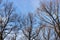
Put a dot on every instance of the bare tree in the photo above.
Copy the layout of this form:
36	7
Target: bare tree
5	19
49	13
28	31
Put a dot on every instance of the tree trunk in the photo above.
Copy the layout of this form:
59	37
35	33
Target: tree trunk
1	36
30	35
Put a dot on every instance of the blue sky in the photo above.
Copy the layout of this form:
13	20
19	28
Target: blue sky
26	6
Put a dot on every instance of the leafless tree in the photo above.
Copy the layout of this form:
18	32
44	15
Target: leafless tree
6	14
49	12
28	31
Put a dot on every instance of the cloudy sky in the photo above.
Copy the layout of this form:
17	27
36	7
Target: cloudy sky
26	6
